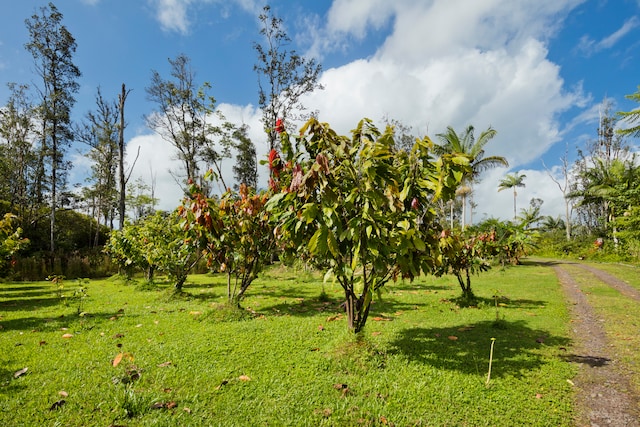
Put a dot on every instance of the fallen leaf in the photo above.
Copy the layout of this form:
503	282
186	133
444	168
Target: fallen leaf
20	373
166	390
320	328
57	404
139	325
332	318
112	318
244	378
171	405
538	396
118	336
63	393
165	364
43	342
195	313
383	420
157	405
64	329
340	386
376	333
315	349
224	382
453	337
117	359
187	410
67	336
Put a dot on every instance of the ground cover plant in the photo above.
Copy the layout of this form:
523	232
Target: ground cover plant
144	357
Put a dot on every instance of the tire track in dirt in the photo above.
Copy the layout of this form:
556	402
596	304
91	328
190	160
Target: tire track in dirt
604	396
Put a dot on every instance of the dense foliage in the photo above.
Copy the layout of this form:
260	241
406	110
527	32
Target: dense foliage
360	209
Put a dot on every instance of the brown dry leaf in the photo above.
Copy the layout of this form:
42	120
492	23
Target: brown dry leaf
538	396
244	378
43	343
383	420
117	359
165	364
332	318
320	328
187	410
315	349
67	336
376	333
340	386
157	405
63	393
112	318
171	405
453	337
118	336
381	319
20	373
166	390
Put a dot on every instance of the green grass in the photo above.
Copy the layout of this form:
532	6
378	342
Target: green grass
288	360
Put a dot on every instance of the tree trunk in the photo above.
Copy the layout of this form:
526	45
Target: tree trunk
123	183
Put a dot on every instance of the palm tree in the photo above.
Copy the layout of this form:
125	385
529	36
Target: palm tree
512	180
465	143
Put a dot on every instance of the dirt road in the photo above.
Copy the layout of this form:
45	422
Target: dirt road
604	397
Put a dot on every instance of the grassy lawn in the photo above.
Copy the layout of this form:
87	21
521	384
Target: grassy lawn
421	360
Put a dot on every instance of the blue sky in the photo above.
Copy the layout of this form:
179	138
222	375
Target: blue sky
535	70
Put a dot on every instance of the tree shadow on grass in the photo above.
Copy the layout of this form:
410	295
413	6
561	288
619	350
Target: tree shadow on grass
68	320
28	304
465	348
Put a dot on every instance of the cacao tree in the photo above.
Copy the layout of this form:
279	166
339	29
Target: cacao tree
359	208
233	232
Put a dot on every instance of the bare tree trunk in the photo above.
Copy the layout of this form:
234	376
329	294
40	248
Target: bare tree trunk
123	181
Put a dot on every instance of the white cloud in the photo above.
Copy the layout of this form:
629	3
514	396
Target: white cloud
172	14
588	46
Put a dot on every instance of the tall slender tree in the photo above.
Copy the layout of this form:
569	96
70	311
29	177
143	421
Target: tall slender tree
18	160
100	132
245	170
184	118
513	181
450	142
283	76
52	47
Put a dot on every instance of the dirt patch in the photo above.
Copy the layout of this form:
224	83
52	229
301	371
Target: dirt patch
604	396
